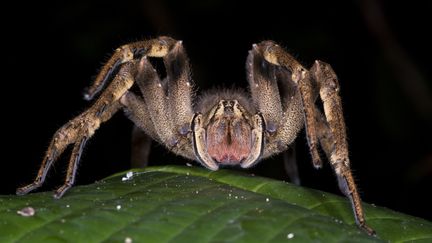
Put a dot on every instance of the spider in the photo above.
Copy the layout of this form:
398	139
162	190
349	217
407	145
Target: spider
222	127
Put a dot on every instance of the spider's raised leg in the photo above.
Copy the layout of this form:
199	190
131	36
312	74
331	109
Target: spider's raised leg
158	47
82	127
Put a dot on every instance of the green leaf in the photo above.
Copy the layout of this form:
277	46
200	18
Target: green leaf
189	204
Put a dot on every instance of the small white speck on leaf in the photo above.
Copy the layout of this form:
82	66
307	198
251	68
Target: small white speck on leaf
197	192
68	206
128	240
128	176
267	199
290	236
188	164
118	207
26	212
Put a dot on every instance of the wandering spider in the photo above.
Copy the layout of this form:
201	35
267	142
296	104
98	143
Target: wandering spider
221	127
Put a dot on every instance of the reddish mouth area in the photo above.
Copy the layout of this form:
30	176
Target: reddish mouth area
229	149
228	158
228	139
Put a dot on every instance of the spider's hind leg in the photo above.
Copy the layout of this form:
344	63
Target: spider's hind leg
290	164
140	149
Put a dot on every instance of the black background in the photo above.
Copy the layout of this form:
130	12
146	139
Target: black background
379	49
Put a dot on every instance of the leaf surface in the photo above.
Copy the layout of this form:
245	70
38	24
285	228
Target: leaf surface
190	204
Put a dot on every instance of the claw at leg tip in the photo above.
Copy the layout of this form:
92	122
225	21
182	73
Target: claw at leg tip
19	192
369	230
58	194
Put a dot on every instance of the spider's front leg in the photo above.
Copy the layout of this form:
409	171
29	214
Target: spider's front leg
329	132
339	158
81	128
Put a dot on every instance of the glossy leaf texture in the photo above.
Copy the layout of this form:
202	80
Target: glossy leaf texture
191	204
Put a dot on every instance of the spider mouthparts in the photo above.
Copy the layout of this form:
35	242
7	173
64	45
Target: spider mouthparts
229	159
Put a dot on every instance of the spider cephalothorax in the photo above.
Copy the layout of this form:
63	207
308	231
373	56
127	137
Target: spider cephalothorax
223	127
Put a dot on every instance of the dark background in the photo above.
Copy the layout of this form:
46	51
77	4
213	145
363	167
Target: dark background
379	49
